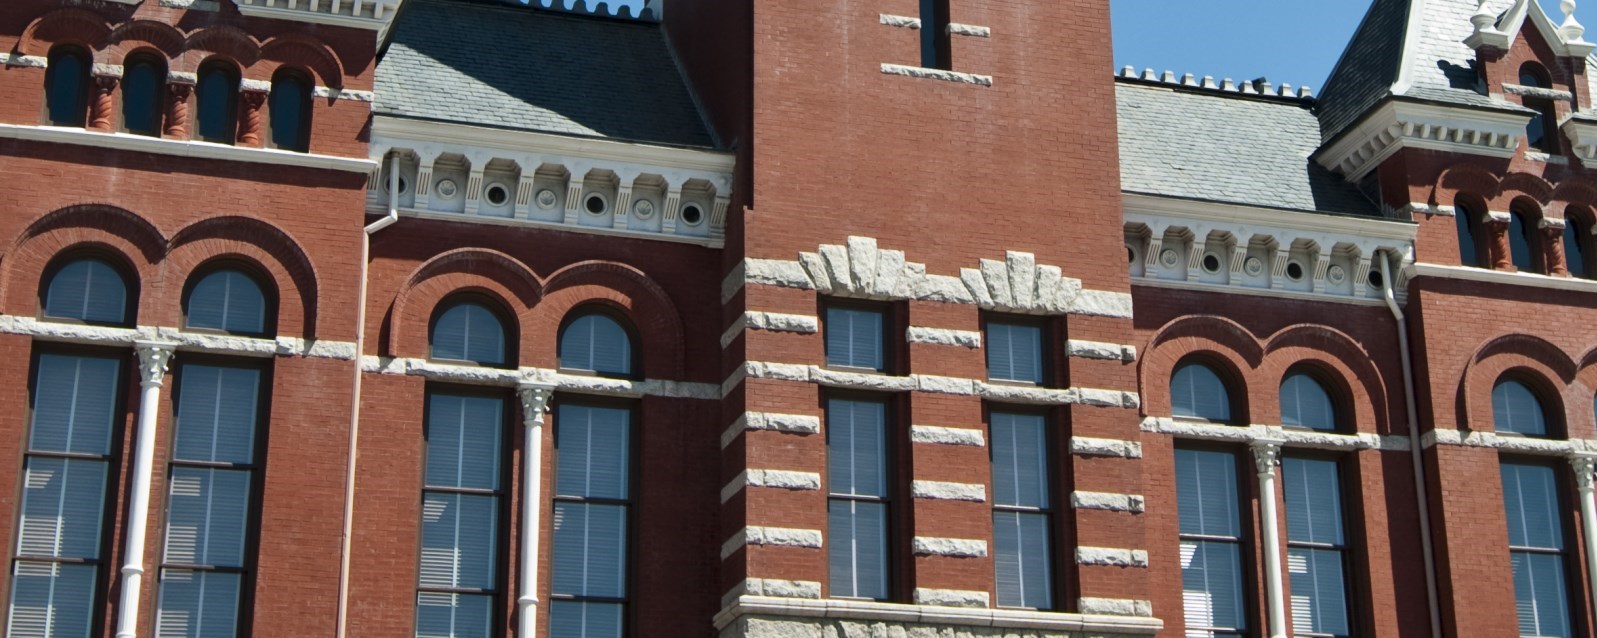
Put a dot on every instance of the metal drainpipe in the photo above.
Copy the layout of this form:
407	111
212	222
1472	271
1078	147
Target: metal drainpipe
1421	494
153	360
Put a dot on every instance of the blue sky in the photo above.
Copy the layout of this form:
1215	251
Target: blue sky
1292	41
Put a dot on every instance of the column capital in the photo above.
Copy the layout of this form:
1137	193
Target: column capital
154	356
1585	466
1266	455
534	401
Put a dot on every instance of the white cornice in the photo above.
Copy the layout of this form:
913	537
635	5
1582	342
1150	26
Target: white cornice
708	242
1513	21
1399	124
184	148
535	142
1273	293
372	15
1583	137
1482	275
1234	214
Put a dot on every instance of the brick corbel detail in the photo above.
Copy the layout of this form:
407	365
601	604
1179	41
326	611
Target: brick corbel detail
102	114
1553	246
177	109
251	120
1496	226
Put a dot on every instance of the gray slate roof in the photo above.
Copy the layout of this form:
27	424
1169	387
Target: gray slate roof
1368	67
524	68
1226	147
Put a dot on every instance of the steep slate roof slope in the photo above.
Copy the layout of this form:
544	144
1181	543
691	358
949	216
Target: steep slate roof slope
525	68
1368	67
1225	147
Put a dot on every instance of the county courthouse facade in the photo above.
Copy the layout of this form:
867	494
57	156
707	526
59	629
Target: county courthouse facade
463	318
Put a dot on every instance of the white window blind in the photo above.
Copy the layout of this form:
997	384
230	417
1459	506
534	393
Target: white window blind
1515	408
1536	548
857	475
87	290
1023	552
458	574
1211	543
1014	352
469	332
596	343
1305	403
591	511
1196	391
1316	546
227	300
854	338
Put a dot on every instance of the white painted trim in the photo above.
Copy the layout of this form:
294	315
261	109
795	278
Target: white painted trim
1372	231
1099	623
1482	275
1526	445
1100	350
950	547
951	598
772	536
453	134
1398	124
1108	501
936	74
185	148
1111	557
708	242
943	337
789	423
946	491
1090	446
509	378
935	384
377	22
938	435
1290	437
779	479
1255	292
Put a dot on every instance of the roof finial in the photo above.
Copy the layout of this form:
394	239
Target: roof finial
1570	29
1483	19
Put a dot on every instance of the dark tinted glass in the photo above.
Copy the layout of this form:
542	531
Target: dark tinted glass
141	97
1520	243
289	107
1575	248
1466	236
66	88
217	94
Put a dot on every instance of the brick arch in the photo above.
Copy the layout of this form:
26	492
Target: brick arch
1464	178
1574	192
224	40
1336	356
110	229
271	250
1582	398
625	290
1216	338
74	26
1534	358
303	50
137	34
1515	185
488	272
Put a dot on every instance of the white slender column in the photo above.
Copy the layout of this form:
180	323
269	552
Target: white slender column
534	404
1585	464
1266	454
153	359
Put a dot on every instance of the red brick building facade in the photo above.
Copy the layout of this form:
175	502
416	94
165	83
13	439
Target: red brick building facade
379	318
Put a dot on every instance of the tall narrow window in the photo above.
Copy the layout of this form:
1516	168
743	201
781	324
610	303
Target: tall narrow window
1197	392
592	511
596	343
934	41
1522	245
88	290
1316	547
143	82
1014	352
227	300
1541	134
290	108
854	337
218	103
1516	409
1022	551
214	472
66	86
1211	544
1536	547
60	544
471	332
1468	248
1576	236
1306	403
857	511
460	503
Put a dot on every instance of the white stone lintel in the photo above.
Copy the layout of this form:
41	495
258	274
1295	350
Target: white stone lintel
951	547
1100	350
1111	557
1293	437
1115	607
939	435
1108	501
943	337
772	536
951	598
937	74
789	423
779	479
945	491
1090	446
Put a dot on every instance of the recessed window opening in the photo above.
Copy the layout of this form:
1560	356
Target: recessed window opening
593	500
935	43
218	102
692	215
470	331
1465	218
1022	529
462	497
859	502
1577	238
596	343
1198	392
1014	352
1523	243
1317	547
89	290
1517	409
290	108
143	82
854	337
1212	544
66	86
230	301
1305	402
1541	133
1536	545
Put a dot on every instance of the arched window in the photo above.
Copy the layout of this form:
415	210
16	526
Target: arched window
1466	218
90	290
228	300
1522	243
142	82
1517	409
469	331
218	103
596	343
290	108
1306	403
66	86
1576	237
1198	392
1541	134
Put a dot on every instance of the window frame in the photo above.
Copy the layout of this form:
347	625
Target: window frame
632	534
1236	402
507	326
1055	474
1535	257
1578	263
84	78
1342	421
888	347
634	341
130	288
229	110
1574	605
898	514
1468	219
302	144
1352	549
1555	427
1045	343
1546	110
1248	526
269	297
158	107
936	42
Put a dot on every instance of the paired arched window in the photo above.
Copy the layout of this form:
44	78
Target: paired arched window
66	86
89	290
290	109
1577	238
1523	242
1468	246
1305	402
469	331
217	93
1517	409
597	343
1541	134
228	300
1198	392
143	78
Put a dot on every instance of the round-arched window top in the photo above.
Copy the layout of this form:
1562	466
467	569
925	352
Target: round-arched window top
469	331
1306	403
596	343
1517	409
1533	74
1197	392
227	300
89	290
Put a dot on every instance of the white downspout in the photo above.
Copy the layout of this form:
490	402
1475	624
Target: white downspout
534	403
153	360
1266	454
1421	494
347	540
1585	463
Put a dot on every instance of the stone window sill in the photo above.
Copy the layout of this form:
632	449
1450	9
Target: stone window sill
184	148
937	74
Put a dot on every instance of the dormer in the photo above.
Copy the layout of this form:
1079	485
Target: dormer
1500	32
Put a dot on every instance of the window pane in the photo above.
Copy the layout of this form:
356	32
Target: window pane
1304	402
74	404
1319	591
854	338
63	504
1196	391
1023	561
1020	460
458	537
857	535
590	550
52	600
142	84
1518	229
67	87
571	619
469	332
453	616
1313	501
1464	219
207	517
1014	353
1516	409
1539	594
227	300
87	290
463	441
287	105
197	604
216	94
596	343
1211	585
593	447
1206	488
1530	494
1575	248
856	447
216	414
